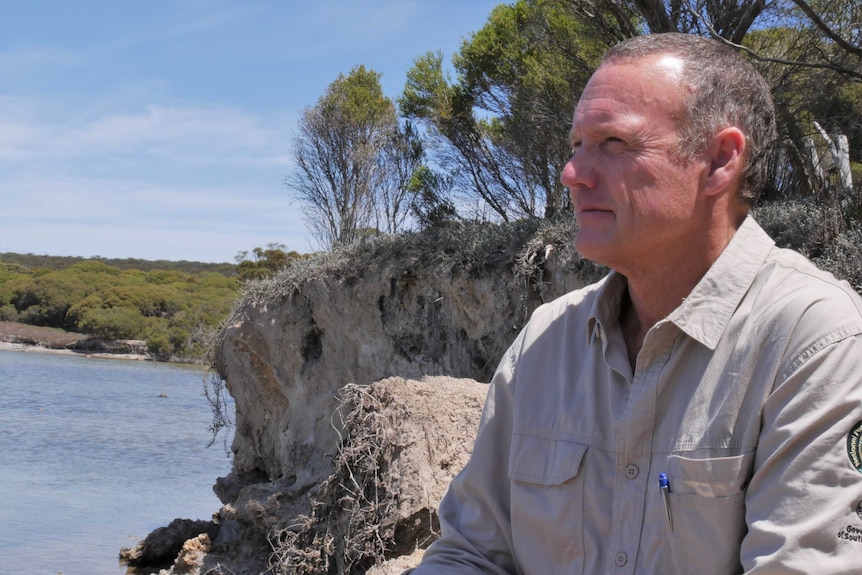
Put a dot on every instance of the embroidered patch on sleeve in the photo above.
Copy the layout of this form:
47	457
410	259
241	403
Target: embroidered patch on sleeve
851	533
854	446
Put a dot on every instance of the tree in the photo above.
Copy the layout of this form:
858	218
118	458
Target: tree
353	161
112	323
836	21
432	206
266	261
401	157
170	309
815	106
502	129
808	51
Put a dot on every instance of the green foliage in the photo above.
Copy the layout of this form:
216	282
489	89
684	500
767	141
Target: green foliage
112	323
165	277
806	97
46	300
432	206
353	161
266	261
502	129
156	335
55	263
427	93
172	310
357	101
12	278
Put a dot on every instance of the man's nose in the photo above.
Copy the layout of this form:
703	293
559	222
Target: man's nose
578	172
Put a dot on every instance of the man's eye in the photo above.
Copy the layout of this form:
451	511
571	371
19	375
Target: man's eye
614	144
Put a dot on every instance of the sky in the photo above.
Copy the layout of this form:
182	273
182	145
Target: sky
162	130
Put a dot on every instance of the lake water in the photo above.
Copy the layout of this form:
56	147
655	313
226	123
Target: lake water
95	454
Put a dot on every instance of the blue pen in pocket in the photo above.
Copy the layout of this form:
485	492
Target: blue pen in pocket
664	485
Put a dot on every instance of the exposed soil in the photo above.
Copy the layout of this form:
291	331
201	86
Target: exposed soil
53	338
24	337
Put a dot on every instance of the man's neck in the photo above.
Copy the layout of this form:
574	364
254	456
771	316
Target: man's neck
654	292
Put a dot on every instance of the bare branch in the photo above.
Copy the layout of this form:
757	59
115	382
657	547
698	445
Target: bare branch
815	65
835	37
656	16
747	19
622	20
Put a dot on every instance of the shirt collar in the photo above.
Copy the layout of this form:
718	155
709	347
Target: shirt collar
605	311
705	313
707	310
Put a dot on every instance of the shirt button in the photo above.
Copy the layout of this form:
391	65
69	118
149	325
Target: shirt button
632	471
621	559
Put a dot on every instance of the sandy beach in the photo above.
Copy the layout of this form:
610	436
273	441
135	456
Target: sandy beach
26	338
25	348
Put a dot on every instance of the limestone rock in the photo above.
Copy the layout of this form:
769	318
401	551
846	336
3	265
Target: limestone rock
192	554
162	545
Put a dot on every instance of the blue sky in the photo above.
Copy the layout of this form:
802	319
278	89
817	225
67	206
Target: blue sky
163	129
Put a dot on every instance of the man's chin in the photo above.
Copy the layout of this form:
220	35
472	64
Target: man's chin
592	248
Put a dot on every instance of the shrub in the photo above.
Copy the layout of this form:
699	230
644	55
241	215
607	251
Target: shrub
113	323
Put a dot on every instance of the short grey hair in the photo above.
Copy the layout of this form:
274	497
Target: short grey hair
726	91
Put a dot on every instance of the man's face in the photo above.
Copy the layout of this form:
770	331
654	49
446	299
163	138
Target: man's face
635	202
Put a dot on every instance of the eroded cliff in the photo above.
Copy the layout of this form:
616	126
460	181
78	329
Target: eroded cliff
440	303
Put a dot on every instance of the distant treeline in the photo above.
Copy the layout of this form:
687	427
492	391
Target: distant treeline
176	306
173	306
56	263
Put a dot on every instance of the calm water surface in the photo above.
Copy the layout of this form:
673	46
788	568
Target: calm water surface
92	459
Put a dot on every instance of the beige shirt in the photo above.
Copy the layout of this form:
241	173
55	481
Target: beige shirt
744	396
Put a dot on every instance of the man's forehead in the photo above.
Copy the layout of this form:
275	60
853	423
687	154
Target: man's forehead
667	62
668	68
601	120
651	81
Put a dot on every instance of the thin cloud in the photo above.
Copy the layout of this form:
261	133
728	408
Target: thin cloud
208	15
171	124
23	60
118	218
211	130
201	135
75	197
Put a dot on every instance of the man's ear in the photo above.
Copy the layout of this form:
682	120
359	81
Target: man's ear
726	155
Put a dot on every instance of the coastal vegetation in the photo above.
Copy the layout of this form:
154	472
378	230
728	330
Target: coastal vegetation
488	142
172	306
487	147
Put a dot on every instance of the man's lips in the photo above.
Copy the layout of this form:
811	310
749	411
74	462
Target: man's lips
592	210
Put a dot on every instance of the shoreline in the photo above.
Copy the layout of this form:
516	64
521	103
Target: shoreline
36	348
26	338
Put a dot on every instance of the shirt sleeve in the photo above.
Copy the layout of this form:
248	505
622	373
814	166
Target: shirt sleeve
475	528
804	500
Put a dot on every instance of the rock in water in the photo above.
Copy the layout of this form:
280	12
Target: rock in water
163	545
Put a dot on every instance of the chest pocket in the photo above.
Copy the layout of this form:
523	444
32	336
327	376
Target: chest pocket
707	502
547	501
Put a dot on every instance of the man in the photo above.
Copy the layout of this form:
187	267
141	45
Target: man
709	358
